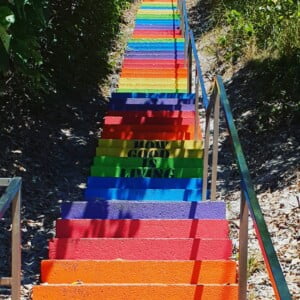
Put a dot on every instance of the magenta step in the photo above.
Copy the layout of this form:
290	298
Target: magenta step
140	248
88	228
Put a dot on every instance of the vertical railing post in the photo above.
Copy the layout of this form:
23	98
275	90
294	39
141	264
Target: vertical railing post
215	147
197	122
16	248
189	66
206	149
243	249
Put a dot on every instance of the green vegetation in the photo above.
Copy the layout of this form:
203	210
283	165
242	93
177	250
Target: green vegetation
55	46
266	35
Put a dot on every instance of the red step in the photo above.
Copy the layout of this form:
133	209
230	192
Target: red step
140	249
118	120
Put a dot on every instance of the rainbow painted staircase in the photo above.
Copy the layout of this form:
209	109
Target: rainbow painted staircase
142	231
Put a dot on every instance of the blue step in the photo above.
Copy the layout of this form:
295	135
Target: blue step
155	56
165	194
152	101
143	183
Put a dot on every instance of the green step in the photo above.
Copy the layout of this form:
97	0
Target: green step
150	152
155	162
146	172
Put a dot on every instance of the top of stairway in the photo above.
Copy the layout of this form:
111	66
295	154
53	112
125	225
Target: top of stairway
153	95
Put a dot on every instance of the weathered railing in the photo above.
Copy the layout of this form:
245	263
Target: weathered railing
12	195
249	201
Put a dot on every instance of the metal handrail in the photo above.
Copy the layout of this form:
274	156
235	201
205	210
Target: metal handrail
249	201
12	195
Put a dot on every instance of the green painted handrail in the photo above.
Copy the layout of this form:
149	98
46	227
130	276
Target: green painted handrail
265	242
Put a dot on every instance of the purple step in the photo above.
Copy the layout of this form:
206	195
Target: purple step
148	101
116	209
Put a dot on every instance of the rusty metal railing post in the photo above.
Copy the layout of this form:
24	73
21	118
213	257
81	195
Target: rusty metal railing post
243	249
16	248
215	152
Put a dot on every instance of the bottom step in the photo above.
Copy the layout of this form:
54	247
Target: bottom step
135	292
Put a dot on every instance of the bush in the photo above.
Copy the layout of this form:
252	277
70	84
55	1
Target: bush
47	46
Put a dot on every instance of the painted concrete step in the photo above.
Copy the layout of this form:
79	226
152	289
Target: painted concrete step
150	73
159	36
157	27
153	95
110	171
112	143
149	135
140	249
165	40
154	162
142	228
135	292
151	61
153	114
155	55
137	194
143	210
146	16
149	128
143	183
150	152
155	45
132	272
154	101
150	106
118	120
155	90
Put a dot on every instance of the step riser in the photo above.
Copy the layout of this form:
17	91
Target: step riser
150	144
117	292
133	107
155	162
155	96
142	194
146	272
110	120
154	101
99	171
152	113
142	228
140	249
143	183
149	153
149	128
143	210
148	136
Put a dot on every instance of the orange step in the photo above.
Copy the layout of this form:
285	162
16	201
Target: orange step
162	272
135	292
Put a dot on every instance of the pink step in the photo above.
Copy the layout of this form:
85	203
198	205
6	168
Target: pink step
88	228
